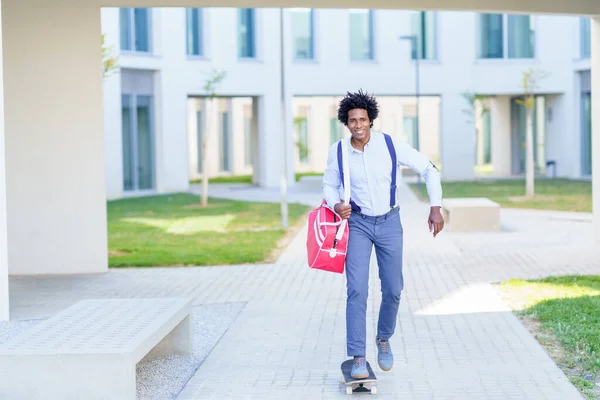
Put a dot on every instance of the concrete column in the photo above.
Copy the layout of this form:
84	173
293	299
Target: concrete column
192	127
270	126
4	305
113	123
479	132
270	148
171	139
457	139
595	64
55	172
500	121
291	144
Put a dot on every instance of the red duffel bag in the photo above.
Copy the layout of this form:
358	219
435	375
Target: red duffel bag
327	238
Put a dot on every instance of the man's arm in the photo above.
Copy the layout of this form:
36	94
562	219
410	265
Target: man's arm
331	178
418	162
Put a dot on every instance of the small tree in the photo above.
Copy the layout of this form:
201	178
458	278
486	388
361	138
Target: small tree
531	77
109	60
210	87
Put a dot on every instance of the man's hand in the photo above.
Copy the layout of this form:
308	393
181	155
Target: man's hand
344	210
436	221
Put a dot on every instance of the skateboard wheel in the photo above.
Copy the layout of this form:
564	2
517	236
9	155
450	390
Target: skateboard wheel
348	389
374	390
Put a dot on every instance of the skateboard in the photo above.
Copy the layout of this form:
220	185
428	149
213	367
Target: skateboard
358	385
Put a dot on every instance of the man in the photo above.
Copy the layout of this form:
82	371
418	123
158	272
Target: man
374	219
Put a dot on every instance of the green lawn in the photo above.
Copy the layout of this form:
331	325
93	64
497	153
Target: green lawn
172	230
567	309
227	179
248	178
550	194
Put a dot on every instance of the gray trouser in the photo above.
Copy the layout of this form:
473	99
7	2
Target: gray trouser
385	232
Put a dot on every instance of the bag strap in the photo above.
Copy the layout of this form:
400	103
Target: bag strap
340	160
392	150
344	168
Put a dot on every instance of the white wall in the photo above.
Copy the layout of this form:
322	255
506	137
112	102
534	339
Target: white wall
456	71
179	76
55	162
562	140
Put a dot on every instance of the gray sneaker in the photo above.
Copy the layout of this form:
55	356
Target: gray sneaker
385	358
359	369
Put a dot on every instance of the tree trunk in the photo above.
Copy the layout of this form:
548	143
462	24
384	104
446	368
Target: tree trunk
530	168
205	136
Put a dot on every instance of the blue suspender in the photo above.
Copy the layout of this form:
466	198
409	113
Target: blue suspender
390	146
392	150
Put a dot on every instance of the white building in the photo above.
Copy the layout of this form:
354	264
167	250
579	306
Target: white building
166	55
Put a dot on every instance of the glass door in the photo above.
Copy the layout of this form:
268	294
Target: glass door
138	142
586	131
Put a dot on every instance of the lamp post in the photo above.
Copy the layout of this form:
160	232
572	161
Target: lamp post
414	44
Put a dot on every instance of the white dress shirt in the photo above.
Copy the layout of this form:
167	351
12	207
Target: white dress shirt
371	173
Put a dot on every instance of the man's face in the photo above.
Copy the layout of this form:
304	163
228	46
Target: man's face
359	124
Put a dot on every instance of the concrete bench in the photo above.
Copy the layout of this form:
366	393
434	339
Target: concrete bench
90	350
471	215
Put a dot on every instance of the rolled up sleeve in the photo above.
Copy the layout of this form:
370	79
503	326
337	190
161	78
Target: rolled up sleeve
331	178
418	162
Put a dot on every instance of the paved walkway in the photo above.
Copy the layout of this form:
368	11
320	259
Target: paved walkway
455	340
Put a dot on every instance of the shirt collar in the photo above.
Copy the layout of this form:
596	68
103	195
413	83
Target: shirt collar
366	145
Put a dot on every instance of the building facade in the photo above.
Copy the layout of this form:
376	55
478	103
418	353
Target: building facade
159	112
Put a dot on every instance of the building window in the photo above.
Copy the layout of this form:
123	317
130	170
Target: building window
301	133
585	39
361	35
422	25
506	36
519	132
303	33
248	122
410	130
491	39
194	31
487	137
135	29
246	33
225	127
138	142
199	135
521	36
336	130
586	131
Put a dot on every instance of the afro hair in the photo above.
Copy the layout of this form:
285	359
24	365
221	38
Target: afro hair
360	100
